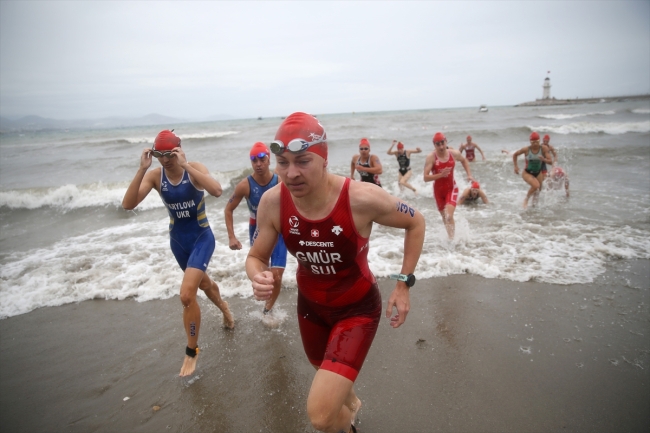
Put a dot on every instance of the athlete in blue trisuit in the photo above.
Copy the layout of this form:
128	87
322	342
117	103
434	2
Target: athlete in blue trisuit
181	186
252	189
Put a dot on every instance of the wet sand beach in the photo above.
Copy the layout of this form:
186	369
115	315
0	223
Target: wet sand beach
475	355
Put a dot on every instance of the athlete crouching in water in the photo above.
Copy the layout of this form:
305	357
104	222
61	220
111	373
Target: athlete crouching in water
472	194
181	186
326	220
535	156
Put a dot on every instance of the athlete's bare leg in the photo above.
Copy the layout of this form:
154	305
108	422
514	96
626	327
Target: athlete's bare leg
448	219
403	181
534	186
211	290
329	401
354	404
540	178
191	316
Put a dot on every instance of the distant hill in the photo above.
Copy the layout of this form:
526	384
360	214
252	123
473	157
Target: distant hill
36	123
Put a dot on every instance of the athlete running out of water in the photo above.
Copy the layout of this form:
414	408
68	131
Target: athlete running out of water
469	149
535	156
326	221
404	160
547	142
251	188
181	185
367	165
472	194
439	168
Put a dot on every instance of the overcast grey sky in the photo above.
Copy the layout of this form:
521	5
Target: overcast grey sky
87	59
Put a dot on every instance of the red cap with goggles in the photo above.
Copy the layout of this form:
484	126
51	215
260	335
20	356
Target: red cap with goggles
439	137
400	145
259	150
166	140
300	131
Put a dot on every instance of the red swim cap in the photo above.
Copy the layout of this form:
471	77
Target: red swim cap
400	145
439	137
364	142
558	172
306	127
534	136
258	148
547	137
166	140
469	138
475	185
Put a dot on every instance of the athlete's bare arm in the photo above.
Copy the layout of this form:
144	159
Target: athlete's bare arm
549	153
428	166
242	189
463	196
521	151
353	165
142	183
390	149
410	151
368	206
199	174
483	196
266	235
479	149
546	157
554	153
375	166
459	157
566	185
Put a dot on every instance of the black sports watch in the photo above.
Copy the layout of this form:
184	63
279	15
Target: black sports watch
408	279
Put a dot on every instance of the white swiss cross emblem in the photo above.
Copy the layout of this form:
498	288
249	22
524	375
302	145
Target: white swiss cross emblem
293	221
314	233
337	230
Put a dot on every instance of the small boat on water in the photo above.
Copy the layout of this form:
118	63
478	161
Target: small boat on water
482	109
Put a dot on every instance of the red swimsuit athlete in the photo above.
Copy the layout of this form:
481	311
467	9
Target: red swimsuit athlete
439	167
326	221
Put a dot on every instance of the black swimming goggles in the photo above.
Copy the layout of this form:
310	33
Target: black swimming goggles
295	145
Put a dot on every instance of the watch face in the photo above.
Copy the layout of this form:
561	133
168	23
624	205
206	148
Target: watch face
410	280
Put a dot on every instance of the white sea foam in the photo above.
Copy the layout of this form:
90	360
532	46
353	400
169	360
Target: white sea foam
641	110
573	116
594	128
133	260
69	197
196	135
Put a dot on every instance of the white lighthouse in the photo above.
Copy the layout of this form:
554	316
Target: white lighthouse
547	88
